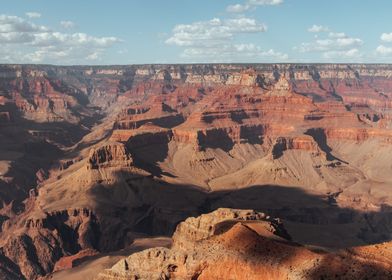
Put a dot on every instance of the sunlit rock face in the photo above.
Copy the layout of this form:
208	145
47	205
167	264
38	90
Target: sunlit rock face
93	157
244	244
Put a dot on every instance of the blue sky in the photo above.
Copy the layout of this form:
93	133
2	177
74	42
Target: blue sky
195	31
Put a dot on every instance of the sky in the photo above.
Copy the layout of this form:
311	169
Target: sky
102	32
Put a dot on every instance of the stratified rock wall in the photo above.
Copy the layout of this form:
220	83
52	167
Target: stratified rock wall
120	143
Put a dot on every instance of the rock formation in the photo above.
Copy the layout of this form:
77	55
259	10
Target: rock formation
243	244
111	154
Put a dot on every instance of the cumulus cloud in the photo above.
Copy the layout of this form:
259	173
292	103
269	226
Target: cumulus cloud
240	8
213	32
33	15
352	53
237	8
322	45
331	44
10	24
23	41
215	40
383	50
318	28
386	37
75	39
67	24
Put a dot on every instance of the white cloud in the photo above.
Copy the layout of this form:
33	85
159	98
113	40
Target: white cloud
45	53
322	45
352	53
9	24
237	8
67	24
213	32
332	45
386	37
337	35
265	2
318	28
216	40
93	56
75	39
15	38
33	15
240	8
383	50
22	41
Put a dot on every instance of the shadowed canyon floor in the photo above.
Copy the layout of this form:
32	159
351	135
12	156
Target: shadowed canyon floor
95	161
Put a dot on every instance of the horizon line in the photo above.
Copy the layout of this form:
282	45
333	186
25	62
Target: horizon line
194	63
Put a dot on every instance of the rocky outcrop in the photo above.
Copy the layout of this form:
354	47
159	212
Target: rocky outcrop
68	262
281	88
193	234
109	155
241	244
303	142
41	242
358	135
207	225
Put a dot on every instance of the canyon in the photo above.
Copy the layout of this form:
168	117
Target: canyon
97	162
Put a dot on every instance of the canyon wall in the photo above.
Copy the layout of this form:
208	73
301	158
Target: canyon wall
90	156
